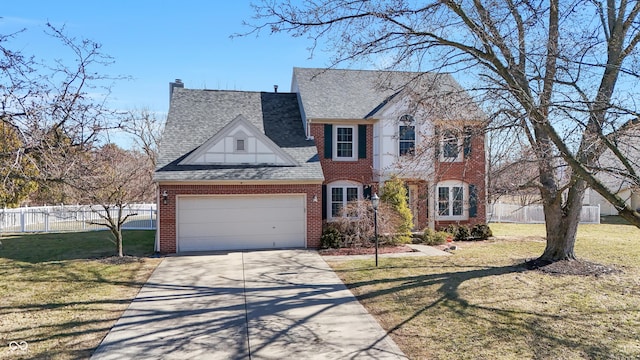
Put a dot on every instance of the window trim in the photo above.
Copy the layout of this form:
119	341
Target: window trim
406	121
240	135
459	140
354	143
344	185
450	185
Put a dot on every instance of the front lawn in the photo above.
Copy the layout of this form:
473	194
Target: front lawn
481	304
61	293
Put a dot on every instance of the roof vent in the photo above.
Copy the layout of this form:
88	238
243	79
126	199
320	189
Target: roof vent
275	88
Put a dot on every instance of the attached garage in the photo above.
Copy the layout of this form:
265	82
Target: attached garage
236	171
221	222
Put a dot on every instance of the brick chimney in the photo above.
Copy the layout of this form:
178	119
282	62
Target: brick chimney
176	84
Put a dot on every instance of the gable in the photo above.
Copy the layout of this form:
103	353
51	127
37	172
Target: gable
239	143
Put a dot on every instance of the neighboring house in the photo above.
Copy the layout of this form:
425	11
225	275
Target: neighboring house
245	170
612	171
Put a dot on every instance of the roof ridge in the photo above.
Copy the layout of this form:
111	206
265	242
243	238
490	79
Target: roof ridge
234	91
368	70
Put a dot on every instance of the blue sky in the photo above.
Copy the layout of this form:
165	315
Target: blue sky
156	42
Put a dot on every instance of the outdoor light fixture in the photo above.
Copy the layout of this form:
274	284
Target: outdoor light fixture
165	197
315	198
375	201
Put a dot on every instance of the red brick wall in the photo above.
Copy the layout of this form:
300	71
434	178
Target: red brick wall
167	213
360	170
472	171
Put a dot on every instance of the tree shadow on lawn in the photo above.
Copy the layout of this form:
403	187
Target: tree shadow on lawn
258	314
46	247
544	342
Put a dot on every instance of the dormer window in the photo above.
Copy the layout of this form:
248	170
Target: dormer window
240	142
406	135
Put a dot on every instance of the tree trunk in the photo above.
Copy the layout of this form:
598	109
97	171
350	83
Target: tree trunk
562	224
117	234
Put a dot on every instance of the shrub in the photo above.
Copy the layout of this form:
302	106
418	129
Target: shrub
451	229
431	237
462	233
481	232
394	193
440	237
331	238
396	239
427	234
356	224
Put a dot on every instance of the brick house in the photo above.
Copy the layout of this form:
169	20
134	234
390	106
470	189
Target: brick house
248	170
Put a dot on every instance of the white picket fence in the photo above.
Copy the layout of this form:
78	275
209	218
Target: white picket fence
532	214
72	218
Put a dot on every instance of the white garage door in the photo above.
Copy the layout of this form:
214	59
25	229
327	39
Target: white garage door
241	222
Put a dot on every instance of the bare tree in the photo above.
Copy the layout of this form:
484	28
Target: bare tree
561	73
115	179
56	107
146	130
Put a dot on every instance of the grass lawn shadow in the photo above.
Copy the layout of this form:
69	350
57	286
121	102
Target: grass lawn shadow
484	303
45	247
66	290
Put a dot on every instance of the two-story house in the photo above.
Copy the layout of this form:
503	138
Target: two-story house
246	170
370	125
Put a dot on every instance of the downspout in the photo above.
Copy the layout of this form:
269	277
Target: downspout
157	242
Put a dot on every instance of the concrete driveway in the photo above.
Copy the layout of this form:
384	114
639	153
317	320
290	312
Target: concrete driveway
285	304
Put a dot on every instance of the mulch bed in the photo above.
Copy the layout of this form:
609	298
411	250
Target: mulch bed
366	250
571	267
116	260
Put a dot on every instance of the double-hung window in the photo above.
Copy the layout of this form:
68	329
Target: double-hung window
450	146
406	135
345	143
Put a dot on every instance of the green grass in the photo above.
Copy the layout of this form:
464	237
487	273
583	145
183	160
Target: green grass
481	304
60	294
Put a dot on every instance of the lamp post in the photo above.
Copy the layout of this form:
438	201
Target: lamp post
375	201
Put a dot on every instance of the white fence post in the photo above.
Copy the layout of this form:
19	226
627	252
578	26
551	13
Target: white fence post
22	221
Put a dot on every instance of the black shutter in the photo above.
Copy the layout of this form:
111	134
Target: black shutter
473	201
467	141
362	141
328	141
436	142
323	202
366	192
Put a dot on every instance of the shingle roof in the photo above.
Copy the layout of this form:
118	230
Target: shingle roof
196	115
614	174
358	94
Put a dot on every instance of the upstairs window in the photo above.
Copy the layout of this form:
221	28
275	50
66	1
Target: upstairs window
345	143
406	135
450	146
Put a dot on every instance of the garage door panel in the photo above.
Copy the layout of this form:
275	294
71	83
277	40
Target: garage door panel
234	228
270	214
226	223
226	203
